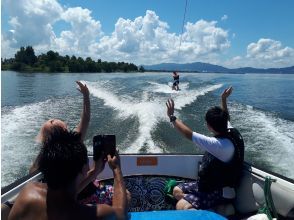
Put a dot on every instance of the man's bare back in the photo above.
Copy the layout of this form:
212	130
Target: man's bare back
37	202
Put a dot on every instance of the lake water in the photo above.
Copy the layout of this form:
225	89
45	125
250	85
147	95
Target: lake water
132	106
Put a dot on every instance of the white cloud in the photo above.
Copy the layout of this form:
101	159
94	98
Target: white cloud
205	38
268	49
144	40
147	40
84	32
224	17
6	50
265	53
31	21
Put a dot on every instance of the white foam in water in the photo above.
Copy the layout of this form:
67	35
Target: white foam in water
148	112
19	128
267	135
185	98
166	88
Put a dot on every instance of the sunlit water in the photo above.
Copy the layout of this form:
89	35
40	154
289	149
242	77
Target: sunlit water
132	106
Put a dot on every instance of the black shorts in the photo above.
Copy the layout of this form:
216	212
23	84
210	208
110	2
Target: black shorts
176	83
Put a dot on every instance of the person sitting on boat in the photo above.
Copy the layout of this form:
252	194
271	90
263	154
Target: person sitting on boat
63	161
176	77
48	127
222	162
53	125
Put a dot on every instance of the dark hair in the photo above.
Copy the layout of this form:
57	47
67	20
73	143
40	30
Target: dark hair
217	119
62	157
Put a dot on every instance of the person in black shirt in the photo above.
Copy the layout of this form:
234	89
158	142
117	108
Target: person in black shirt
176	77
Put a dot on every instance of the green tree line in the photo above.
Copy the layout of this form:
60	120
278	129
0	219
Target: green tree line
25	60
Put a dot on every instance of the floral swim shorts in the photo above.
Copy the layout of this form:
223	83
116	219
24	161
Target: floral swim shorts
198	199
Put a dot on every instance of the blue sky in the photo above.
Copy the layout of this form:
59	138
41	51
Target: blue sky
229	33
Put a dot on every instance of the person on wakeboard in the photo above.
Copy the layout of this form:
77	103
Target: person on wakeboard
176	77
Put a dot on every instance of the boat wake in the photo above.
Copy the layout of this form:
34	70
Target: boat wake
19	127
268	138
149	108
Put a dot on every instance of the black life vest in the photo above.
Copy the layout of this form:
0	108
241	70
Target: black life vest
216	174
177	78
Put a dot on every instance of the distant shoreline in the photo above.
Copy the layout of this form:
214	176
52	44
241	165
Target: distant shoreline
151	71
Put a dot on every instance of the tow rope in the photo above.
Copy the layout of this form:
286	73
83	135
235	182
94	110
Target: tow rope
182	27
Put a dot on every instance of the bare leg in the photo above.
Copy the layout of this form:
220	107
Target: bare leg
184	205
129	198
178	193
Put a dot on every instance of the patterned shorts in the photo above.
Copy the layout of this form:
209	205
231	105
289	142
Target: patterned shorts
200	200
102	195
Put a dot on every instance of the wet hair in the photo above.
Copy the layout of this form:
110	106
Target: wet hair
62	157
48	130
217	119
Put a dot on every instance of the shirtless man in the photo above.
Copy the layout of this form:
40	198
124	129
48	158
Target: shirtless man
48	129
63	161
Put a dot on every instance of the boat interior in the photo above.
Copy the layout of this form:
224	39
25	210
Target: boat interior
146	177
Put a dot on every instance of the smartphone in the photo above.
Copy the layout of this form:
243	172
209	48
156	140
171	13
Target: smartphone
103	144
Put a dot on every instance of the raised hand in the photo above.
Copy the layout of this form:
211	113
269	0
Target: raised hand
227	92
83	88
113	162
85	116
170	107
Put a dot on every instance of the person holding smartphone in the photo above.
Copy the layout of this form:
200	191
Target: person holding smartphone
63	161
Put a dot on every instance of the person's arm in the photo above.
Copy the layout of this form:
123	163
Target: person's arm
35	165
226	93
184	129
85	116
98	167
221	148
119	201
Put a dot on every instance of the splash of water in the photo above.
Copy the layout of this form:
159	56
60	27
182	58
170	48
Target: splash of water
150	109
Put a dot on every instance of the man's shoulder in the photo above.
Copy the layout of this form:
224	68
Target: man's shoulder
33	192
30	199
35	187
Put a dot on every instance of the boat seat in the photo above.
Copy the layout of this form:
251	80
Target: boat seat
175	215
226	209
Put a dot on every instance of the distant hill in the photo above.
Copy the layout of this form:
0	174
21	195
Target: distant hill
206	67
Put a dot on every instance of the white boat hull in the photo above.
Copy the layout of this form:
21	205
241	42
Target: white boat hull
249	195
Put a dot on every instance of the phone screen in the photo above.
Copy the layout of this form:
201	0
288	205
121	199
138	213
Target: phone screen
103	144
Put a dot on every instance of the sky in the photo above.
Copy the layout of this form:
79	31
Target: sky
230	33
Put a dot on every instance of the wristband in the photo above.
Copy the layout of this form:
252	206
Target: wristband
172	118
